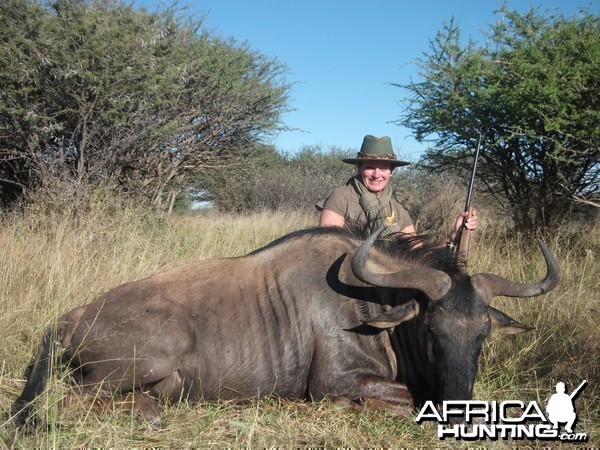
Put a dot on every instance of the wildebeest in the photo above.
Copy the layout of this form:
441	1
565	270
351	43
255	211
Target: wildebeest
318	313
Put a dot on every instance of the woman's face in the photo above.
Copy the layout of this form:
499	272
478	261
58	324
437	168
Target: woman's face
375	175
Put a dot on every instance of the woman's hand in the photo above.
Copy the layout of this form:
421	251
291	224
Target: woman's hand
470	223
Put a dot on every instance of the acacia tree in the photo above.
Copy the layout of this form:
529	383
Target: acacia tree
98	93
532	92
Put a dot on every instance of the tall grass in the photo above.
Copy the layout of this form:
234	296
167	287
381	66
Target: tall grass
50	264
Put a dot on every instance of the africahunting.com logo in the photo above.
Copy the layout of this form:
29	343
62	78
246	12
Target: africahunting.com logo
510	419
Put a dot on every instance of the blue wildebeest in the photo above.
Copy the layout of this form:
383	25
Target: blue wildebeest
318	313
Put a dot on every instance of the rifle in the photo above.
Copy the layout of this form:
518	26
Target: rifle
464	236
576	391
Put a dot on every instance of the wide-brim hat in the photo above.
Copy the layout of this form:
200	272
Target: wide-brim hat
376	149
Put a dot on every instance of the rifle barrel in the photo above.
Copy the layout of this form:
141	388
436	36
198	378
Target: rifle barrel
576	391
472	182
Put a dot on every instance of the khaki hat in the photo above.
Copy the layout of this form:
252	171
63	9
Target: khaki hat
376	149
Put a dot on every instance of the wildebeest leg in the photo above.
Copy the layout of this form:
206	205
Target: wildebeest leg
173	387
375	392
142	404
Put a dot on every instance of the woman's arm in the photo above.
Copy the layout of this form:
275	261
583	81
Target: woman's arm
410	230
331	219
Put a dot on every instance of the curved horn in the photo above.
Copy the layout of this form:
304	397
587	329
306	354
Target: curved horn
499	286
433	283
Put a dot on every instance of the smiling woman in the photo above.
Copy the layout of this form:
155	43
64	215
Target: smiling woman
367	201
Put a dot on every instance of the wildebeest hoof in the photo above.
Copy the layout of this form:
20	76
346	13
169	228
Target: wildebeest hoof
360	401
157	424
341	402
28	426
147	408
356	404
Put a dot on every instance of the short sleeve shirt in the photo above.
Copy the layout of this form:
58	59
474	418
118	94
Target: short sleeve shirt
344	201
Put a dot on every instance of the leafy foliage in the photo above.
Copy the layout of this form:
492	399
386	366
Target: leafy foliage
532	92
104	94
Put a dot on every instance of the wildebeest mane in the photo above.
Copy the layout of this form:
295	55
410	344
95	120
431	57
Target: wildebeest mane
422	249
308	232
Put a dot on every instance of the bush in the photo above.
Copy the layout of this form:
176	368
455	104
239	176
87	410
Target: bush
273	181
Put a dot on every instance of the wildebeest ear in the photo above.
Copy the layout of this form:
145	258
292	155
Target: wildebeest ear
505	323
395	315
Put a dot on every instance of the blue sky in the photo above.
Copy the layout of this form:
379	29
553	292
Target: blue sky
342	56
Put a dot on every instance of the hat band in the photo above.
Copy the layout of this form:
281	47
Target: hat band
384	156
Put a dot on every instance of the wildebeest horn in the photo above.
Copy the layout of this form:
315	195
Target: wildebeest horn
433	283
499	286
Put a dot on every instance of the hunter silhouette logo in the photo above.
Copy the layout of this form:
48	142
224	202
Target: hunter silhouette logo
560	406
510	419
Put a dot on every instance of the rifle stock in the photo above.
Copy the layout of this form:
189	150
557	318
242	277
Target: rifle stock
465	236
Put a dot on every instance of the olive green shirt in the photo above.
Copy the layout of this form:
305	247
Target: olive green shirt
344	201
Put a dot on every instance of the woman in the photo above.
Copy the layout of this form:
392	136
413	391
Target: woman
367	199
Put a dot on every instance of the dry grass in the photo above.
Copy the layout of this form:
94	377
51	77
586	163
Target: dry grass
51	264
